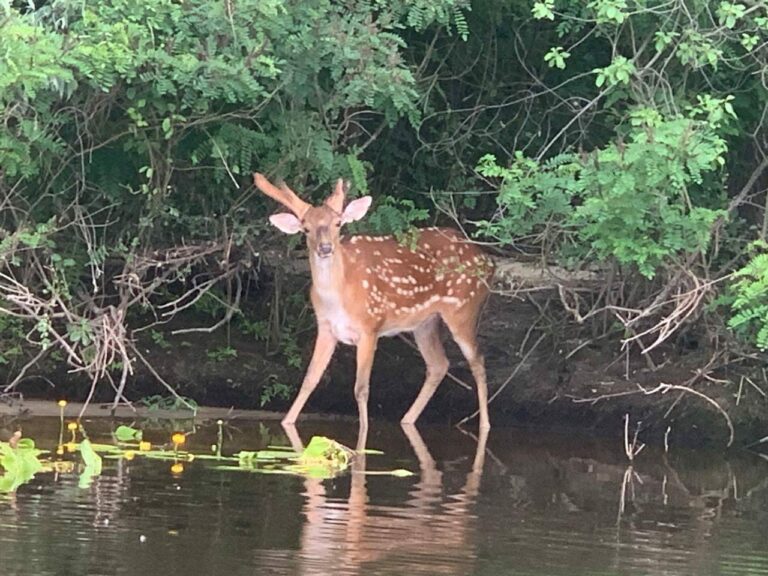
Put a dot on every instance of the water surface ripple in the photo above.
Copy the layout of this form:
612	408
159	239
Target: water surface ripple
512	503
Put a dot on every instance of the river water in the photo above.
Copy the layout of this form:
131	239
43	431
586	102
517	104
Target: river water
514	502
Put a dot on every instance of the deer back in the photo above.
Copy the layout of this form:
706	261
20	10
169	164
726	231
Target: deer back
385	286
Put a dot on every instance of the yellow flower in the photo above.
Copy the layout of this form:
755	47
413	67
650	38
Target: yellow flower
129	454
145	446
72	426
62	403
59	450
178	438
70	446
177	468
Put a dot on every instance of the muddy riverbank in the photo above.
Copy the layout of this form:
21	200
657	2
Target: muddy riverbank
546	385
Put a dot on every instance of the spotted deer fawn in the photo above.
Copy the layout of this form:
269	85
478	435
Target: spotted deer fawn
364	287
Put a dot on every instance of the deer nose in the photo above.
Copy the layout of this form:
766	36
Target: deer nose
325	249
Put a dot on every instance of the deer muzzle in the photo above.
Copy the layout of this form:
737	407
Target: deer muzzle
324	249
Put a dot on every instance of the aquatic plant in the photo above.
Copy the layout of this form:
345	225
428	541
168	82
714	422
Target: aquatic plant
19	462
127	434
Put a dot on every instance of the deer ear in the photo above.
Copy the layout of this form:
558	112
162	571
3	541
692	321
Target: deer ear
356	209
286	222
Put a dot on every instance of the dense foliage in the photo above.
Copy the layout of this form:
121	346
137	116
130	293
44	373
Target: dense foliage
130	130
625	136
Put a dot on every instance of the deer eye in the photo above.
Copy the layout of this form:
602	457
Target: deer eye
337	224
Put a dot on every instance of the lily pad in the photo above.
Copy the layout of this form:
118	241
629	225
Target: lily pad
128	434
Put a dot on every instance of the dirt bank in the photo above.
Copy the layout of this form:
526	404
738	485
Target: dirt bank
554	384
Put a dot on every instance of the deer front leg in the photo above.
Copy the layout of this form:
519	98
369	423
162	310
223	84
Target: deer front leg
366	349
325	344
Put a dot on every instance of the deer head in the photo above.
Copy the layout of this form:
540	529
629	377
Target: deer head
320	224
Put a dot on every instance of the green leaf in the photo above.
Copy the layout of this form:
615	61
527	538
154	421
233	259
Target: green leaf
556	57
749	41
600	80
127	434
20	464
91	459
543	10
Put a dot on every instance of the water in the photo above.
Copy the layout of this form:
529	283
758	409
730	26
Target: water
528	503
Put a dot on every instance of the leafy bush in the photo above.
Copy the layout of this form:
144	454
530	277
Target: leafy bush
750	298
644	203
393	215
129	131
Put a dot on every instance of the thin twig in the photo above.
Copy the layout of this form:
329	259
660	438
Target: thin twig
160	379
23	371
663	389
450	376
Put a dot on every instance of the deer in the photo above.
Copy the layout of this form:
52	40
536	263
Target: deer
365	287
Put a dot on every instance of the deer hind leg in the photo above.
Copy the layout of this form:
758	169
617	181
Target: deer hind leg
463	328
427	337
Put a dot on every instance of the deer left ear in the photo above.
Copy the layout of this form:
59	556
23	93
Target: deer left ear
356	209
285	222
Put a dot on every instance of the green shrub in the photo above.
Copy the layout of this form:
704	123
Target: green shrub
750	298
643	203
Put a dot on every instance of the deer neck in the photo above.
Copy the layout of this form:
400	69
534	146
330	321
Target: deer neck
328	274
328	287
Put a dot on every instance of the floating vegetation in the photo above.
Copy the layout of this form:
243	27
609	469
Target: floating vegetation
92	463
20	463
322	458
20	460
128	434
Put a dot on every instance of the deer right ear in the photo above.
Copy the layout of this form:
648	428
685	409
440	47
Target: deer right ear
356	209
286	222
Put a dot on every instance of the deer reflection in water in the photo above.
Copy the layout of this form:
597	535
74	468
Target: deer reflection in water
434	531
